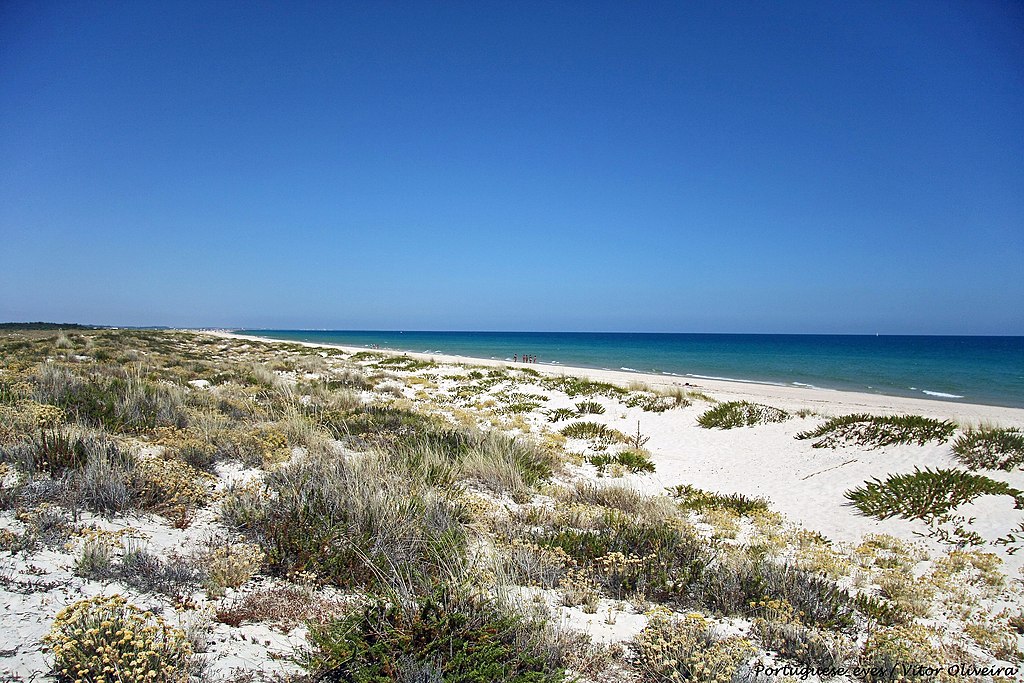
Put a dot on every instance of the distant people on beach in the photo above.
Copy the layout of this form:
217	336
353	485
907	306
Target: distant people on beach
526	358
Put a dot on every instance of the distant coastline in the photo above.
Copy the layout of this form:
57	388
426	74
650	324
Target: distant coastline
952	369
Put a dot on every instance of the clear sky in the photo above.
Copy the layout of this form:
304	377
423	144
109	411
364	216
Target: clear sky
645	166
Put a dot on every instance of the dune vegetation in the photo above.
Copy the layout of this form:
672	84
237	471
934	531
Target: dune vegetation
212	508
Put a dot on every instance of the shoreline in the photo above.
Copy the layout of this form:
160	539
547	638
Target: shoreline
787	397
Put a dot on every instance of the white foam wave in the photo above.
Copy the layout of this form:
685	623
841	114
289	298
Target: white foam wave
940	394
734	379
628	369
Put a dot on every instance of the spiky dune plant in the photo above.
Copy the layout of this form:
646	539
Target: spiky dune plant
740	414
991	448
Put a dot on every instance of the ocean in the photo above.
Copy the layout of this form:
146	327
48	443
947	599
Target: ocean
987	370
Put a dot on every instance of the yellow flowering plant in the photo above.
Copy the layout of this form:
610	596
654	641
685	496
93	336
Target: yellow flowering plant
107	640
230	565
687	649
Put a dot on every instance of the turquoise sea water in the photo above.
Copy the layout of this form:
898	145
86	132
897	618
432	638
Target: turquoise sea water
987	370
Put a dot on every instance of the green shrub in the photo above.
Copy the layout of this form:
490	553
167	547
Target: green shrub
559	414
593	430
736	581
444	638
667	556
698	500
677	567
635	461
601	461
589	407
360	356
58	450
875	431
655	403
406	363
925	494
990	448
520	407
581	386
740	414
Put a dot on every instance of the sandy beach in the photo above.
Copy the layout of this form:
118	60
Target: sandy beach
805	484
790	397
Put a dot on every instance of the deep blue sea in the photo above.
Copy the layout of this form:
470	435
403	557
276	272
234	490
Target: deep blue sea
987	370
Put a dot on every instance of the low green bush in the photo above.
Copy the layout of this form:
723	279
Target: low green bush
581	386
590	407
875	431
677	567
990	448
740	414
692	498
406	363
925	494
656	403
593	430
635	461
442	638
559	414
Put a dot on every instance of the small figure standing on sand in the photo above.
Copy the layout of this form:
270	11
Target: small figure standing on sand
515	358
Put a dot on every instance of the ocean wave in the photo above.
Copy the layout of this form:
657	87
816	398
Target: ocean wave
940	394
629	369
734	379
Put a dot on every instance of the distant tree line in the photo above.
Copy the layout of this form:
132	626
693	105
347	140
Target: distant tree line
47	326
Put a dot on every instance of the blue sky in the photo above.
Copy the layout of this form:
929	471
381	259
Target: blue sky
695	167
